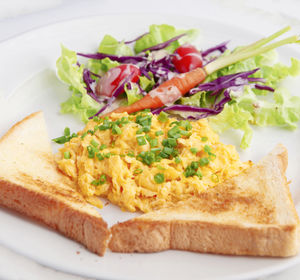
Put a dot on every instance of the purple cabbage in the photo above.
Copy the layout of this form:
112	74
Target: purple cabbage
120	59
134	40
220	47
206	55
164	44
233	81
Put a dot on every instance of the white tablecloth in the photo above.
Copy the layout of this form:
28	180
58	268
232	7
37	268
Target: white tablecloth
18	16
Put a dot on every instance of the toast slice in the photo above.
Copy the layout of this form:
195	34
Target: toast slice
249	214
31	184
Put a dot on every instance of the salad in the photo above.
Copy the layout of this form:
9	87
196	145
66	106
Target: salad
162	71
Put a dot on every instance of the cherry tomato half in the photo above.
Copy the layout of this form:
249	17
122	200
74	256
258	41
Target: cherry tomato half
187	58
113	77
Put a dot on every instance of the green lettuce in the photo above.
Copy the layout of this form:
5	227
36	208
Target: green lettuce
79	103
101	66
282	110
161	33
145	83
234	117
132	94
110	45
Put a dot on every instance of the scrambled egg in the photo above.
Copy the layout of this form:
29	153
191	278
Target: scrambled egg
144	162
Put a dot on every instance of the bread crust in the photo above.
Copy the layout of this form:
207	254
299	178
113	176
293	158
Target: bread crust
146	236
45	195
263	233
89	230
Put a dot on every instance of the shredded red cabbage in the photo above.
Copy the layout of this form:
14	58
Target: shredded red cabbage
121	59
134	40
233	81
164	44
220	47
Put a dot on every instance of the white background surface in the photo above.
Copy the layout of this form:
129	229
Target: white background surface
17	16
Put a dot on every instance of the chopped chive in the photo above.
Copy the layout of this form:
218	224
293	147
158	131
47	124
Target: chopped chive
94	143
194	165
116	129
212	156
207	149
95	183
148	137
67	155
67	131
107	155
102	147
83	135
169	142
194	150
100	156
176	122
140	131
102	179
130	154
91	151
185	133
141	140
168	150
174	132
204	139
146	128
60	140
203	161
153	143
155	150
199	174
137	171
159	132
159	178
177	160
163	117
90	132
160	167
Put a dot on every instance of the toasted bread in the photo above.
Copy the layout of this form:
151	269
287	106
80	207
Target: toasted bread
31	184
249	214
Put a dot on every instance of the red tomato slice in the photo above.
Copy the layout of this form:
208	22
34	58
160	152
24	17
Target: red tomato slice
114	77
187	58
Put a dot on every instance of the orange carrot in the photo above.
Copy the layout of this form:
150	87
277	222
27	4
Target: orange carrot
183	83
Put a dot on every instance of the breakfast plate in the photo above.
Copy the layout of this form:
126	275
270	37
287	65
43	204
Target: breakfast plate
28	83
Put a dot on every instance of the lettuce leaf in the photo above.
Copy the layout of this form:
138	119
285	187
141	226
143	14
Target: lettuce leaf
282	110
161	33
100	67
80	104
68	71
110	45
234	117
145	83
133	94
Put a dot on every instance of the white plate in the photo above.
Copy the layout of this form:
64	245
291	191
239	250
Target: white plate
28	83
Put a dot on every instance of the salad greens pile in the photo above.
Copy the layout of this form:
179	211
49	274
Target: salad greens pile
237	96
